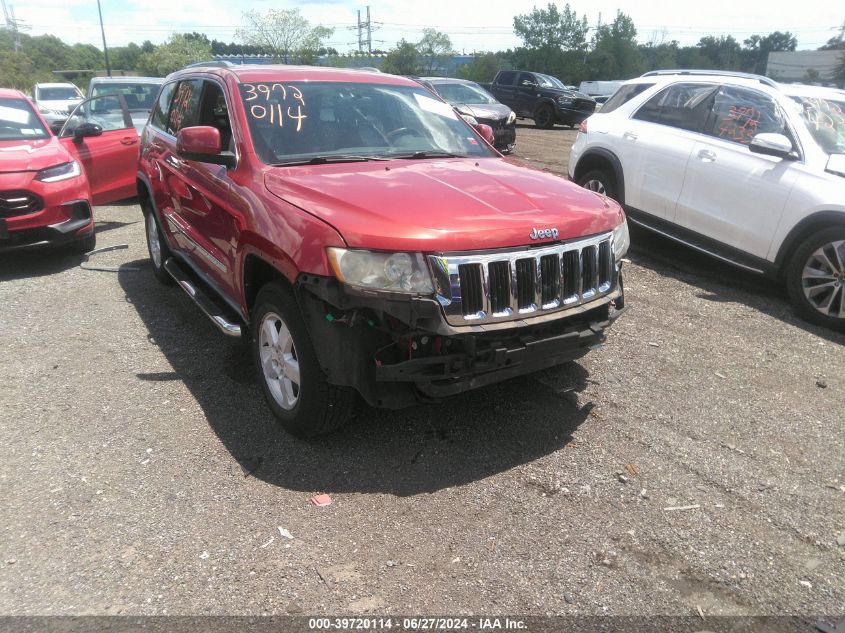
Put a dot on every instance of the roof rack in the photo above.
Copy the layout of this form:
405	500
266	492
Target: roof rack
719	73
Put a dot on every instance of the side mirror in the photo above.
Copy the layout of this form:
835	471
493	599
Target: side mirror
86	129
202	143
836	164
56	126
771	145
486	132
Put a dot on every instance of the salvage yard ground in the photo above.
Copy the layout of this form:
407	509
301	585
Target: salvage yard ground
698	464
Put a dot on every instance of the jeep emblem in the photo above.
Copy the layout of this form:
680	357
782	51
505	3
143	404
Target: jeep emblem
539	234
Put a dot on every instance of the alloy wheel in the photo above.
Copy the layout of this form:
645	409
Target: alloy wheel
595	185
279	360
153	241
823	279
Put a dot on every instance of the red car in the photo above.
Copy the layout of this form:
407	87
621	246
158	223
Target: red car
49	183
368	239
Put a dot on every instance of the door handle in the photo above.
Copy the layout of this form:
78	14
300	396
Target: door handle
707	156
173	161
128	140
630	136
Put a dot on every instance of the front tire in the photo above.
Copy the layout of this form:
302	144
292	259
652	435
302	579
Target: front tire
294	385
156	246
599	181
815	278
544	117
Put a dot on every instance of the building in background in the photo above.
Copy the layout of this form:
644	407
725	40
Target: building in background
804	66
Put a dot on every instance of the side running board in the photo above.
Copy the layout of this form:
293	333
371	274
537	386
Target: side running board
205	303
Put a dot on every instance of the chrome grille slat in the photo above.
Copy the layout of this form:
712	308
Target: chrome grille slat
502	285
499	275
525	278
14	203
550	281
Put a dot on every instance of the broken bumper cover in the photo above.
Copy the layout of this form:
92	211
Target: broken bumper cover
441	376
397	351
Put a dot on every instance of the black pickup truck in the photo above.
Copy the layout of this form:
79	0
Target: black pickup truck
540	97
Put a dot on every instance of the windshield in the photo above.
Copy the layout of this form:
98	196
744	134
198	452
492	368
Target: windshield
825	118
137	96
61	93
313	120
463	93
18	121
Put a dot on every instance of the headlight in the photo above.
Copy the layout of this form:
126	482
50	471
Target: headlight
45	110
391	272
64	171
511	117
470	119
564	100
621	240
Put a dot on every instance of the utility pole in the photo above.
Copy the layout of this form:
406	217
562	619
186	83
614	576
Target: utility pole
103	31
14	25
360	40
369	33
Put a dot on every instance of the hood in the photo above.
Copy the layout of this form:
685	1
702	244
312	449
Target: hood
63	105
572	94
32	155
489	111
442	205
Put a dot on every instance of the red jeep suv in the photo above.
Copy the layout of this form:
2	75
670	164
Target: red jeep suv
368	239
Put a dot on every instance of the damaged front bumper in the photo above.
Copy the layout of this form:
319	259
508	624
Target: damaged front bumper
398	350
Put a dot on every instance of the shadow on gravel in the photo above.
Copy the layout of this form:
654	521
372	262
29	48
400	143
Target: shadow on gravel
720	282
417	450
102	227
49	260
37	262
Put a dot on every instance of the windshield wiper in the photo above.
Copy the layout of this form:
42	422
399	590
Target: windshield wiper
335	158
429	153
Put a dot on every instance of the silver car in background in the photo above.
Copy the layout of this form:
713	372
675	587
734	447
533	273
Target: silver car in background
138	92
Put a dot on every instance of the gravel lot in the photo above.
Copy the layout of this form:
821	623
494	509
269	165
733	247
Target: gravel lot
698	467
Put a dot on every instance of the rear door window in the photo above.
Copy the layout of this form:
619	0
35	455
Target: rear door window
685	106
159	118
184	112
506	77
624	95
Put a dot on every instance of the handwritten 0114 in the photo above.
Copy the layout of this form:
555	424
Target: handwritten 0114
270	102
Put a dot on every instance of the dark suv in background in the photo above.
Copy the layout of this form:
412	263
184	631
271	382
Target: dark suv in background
540	97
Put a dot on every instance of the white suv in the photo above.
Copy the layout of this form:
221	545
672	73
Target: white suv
737	166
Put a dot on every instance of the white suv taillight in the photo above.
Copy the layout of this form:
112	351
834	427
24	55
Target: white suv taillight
583	127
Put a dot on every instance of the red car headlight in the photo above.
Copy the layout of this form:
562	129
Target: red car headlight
65	171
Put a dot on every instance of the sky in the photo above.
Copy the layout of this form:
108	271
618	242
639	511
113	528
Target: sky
472	25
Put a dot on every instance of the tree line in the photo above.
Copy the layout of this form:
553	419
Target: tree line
554	41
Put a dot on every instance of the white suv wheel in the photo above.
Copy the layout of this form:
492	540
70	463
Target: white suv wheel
823	279
595	185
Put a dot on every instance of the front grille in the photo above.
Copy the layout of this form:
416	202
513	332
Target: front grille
14	203
584	104
502	285
471	289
